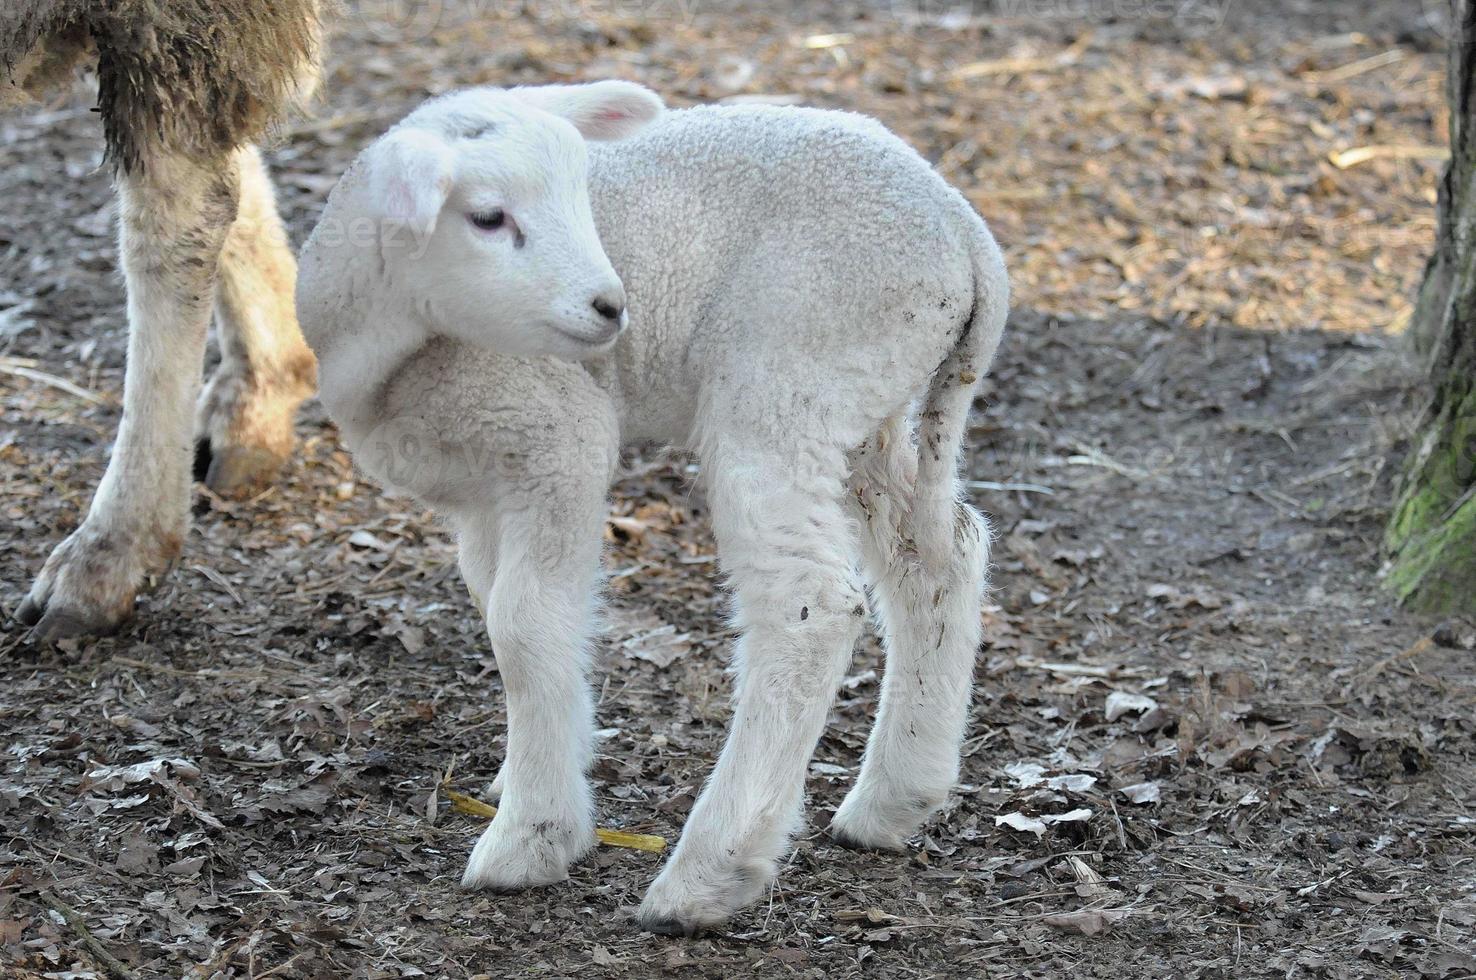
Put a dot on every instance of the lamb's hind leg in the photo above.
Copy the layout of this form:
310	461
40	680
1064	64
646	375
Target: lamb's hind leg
789	551
174	215
244	424
926	587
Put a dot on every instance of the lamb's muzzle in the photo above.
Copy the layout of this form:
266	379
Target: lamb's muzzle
794	281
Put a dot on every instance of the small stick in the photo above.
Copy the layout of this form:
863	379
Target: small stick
614	838
1414	650
25	368
1352	70
1007	487
1343	159
1015	66
94	946
819	42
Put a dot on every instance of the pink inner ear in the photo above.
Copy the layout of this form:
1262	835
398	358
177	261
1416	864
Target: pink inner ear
613	115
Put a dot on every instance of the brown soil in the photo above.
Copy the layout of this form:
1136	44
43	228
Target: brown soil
1198	409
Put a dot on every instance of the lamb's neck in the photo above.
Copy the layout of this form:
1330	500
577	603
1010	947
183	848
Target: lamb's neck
357	370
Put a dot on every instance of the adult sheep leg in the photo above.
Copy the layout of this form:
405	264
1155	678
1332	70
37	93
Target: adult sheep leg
789	553
244	424
535	567
175	212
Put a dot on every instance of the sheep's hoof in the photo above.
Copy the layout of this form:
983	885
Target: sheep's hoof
244	424
52	622
235	469
87	586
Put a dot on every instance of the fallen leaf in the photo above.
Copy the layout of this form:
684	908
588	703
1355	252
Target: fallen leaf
1072	782
1120	703
365	539
1088	922
1141	792
1037	825
1018	821
645	636
1027	774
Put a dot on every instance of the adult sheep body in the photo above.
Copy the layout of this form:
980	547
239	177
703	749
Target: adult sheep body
797	281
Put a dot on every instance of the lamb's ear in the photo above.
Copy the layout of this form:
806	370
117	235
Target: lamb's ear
609	110
410	176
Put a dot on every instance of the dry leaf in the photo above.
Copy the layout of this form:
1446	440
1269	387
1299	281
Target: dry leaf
1088	922
1120	703
1141	792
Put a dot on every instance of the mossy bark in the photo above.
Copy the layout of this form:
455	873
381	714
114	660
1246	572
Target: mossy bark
1432	536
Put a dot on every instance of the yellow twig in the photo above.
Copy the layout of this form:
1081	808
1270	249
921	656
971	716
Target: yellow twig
614	838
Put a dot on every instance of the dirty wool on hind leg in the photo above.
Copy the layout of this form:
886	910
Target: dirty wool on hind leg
178	116
925	553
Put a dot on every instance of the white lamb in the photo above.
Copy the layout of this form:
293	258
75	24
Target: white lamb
796	281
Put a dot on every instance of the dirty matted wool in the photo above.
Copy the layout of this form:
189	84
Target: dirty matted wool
195	76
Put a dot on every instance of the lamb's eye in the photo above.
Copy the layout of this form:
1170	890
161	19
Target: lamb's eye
488	220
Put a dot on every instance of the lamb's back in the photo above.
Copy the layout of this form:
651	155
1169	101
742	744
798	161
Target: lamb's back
753	238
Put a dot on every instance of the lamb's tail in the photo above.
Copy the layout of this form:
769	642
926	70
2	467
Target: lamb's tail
945	412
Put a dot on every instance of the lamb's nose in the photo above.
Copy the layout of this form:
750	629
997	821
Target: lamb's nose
611	306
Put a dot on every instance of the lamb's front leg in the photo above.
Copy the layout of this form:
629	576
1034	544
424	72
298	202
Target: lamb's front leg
174	215
535	573
789	553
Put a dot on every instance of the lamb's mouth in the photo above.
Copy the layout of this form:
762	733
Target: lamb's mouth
588	341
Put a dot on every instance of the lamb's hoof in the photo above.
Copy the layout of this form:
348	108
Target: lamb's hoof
234	470
88	585
511	856
863	824
690	897
851	842
671	927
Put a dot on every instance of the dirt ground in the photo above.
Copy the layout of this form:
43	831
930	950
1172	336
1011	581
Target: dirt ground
1203	742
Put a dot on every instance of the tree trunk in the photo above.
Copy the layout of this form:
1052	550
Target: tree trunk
1432	535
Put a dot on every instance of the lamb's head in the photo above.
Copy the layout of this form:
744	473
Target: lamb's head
489	190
